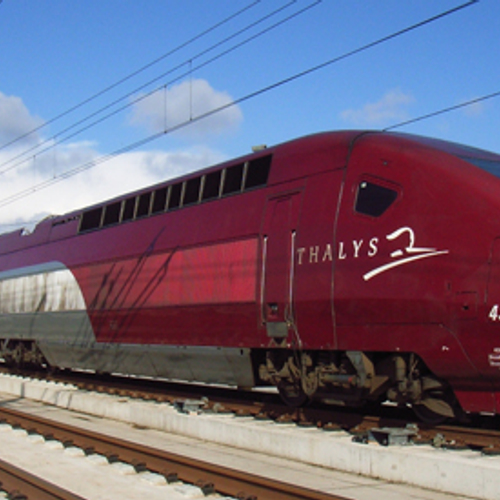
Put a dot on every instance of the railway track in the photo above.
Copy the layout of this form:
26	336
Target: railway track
21	485
209	477
143	419
481	433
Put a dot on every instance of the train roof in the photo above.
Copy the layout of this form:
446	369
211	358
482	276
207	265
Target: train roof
252	170
453	148
345	137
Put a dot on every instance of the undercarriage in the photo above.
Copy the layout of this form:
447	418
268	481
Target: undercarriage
21	354
354	378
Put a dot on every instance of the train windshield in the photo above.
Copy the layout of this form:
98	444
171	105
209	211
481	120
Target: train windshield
491	166
485	160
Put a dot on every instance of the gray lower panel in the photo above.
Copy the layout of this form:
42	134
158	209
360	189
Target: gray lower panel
67	340
201	364
71	327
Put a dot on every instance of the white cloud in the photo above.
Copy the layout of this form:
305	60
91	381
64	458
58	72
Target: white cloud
16	121
184	102
392	106
140	169
105	180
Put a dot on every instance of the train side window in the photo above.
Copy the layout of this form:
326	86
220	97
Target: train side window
143	205
211	187
192	191
128	209
91	219
175	196
112	213
233	179
258	172
373	199
159	200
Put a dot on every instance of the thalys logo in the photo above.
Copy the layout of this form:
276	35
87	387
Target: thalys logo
405	251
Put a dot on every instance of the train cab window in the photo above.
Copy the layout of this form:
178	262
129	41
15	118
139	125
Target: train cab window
159	200
175	196
373	199
192	191
233	179
91	219
491	166
258	172
211	188
112	213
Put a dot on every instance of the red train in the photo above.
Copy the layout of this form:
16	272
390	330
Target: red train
344	267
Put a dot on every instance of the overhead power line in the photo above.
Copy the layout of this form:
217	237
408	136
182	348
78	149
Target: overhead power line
60	138
444	110
131	75
153	137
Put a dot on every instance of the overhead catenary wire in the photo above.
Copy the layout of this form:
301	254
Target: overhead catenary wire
155	136
442	111
38	149
133	74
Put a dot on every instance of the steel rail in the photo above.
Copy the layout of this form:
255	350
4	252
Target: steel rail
481	434
210	477
19	483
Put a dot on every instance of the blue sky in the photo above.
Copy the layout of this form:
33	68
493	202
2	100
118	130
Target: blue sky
55	55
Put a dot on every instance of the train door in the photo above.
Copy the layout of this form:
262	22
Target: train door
278	249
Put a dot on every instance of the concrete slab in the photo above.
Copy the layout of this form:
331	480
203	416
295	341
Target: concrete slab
80	475
291	453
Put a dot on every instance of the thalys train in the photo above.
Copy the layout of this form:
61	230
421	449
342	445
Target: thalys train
344	267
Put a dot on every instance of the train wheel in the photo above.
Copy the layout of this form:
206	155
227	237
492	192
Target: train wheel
427	415
437	403
292	394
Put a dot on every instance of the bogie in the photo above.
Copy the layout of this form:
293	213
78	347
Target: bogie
21	354
353	378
